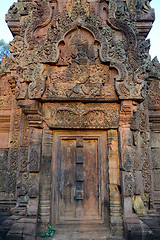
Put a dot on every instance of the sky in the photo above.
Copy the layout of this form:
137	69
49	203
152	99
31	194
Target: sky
154	34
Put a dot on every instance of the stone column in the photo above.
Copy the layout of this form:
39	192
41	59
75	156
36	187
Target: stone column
134	154
125	150
13	148
114	184
45	182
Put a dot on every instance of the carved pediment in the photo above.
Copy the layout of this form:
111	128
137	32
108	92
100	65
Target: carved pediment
69	51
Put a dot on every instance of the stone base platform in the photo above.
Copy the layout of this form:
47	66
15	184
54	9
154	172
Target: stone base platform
82	232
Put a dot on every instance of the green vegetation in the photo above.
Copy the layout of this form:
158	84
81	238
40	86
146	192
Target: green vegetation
50	233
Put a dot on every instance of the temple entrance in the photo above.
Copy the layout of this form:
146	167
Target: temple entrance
79	177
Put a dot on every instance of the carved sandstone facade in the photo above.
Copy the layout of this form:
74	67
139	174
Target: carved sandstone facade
80	121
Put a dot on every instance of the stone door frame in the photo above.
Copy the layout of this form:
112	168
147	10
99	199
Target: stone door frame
115	222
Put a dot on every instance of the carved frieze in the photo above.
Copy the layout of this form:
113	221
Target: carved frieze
89	81
79	115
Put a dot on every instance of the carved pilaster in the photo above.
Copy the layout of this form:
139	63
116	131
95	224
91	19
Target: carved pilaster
126	154
45	181
14	145
114	184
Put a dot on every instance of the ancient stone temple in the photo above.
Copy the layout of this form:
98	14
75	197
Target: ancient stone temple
80	122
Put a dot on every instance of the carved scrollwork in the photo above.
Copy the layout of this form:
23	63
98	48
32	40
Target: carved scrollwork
42	15
74	36
135	89
77	115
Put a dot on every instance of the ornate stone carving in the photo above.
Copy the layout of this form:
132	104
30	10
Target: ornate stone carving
154	96
16	128
34	159
78	115
23	158
52	40
138	6
21	85
80	65
12	170
42	16
131	90
33	187
129	185
21	189
79	81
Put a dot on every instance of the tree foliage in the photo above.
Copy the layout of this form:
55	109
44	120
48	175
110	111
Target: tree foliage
4	49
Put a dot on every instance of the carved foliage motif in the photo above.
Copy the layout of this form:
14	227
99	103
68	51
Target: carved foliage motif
23	158
135	89
129	185
15	129
13	151
99	116
54	39
139	6
34	159
146	169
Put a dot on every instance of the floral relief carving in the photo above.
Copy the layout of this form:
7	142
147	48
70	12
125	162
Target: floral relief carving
80	65
81	116
76	39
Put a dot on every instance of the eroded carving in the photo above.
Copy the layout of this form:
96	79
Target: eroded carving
75	115
34	159
129	184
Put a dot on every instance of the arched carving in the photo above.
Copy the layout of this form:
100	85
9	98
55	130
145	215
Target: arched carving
51	47
78	72
42	16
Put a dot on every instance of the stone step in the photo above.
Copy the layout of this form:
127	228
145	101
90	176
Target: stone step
68	236
6	226
89	229
80	237
82	232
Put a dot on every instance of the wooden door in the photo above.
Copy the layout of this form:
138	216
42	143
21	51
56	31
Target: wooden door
79	177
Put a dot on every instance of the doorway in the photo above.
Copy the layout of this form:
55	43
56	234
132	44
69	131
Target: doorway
80	177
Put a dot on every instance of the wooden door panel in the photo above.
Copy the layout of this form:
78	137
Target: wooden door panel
67	178
78	160
91	178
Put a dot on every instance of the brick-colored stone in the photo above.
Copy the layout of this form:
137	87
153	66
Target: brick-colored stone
79	121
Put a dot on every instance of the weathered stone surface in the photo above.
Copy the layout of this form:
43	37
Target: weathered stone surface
78	115
156	179
155	157
80	121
